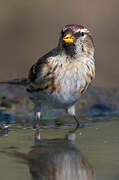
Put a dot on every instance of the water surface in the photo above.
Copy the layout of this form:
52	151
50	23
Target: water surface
96	145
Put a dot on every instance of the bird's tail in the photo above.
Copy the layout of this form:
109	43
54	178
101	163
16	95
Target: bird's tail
21	81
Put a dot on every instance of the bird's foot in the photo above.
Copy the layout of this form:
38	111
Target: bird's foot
77	125
4	129
71	136
37	131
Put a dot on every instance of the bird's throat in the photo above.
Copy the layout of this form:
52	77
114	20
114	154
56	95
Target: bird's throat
70	49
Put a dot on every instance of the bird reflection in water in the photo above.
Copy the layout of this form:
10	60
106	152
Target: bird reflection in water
57	159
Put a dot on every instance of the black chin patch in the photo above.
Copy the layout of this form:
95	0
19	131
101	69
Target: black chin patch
69	48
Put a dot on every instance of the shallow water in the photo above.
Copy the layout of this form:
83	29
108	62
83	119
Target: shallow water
22	158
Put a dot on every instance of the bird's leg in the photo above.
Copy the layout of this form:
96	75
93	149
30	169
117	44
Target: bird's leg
77	125
37	119
37	124
72	112
37	110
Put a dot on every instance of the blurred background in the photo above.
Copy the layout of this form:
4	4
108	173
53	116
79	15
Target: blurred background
30	28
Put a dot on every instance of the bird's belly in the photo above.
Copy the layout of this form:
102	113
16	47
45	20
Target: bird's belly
54	100
64	99
65	96
66	89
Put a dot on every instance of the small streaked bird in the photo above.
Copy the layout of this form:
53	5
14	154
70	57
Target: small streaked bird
59	78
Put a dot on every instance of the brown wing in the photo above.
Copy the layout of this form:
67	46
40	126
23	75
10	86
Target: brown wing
42	73
89	76
38	67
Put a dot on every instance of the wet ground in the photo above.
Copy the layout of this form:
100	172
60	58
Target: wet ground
22	158
94	152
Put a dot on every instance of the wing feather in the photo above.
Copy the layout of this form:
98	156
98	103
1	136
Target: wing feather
42	74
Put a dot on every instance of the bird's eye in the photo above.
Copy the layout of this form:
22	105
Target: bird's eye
82	33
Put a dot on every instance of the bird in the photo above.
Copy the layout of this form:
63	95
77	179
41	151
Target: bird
59	78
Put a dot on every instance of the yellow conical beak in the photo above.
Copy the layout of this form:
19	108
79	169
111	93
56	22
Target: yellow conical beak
69	38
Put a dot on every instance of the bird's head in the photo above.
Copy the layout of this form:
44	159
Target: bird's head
75	40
